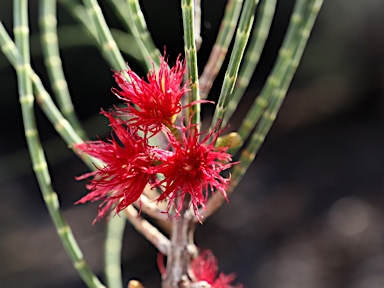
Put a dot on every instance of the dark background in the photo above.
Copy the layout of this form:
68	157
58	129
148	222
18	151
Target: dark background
308	213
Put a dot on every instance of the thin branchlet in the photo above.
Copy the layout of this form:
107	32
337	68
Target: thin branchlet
220	48
307	11
187	7
241	40
52	60
181	193
252	54
40	166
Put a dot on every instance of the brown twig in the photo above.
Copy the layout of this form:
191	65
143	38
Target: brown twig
182	249
156	211
151	233
150	208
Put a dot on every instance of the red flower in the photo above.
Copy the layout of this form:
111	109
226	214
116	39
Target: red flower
127	168
192	167
205	268
156	103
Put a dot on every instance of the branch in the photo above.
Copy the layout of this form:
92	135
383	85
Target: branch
150	208
150	232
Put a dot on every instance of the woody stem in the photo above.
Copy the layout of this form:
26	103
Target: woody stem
182	248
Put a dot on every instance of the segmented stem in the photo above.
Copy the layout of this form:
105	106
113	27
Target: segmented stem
187	7
220	48
252	54
69	135
249	153
52	60
274	79
270	114
106	41
145	36
241	40
40	166
44	100
121	8
75	36
128	45
126	17
14	164
64	129
112	252
79	12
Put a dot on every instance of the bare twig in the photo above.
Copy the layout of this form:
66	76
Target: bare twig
150	232
182	249
154	209
150	208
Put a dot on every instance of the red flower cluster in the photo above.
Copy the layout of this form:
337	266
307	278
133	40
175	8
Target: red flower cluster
127	168
193	167
188	165
205	268
156	103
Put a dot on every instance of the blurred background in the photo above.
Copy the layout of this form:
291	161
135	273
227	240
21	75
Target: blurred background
308	213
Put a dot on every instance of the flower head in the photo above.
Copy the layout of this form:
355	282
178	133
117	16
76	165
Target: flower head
193	167
127	169
205	268
154	103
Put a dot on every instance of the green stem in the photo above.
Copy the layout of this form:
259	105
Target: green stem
94	22
16	164
121	8
241	40
274	79
270	114
252	54
141	26
220	48
44	100
40	167
187	7
112	251
74	36
107	43
79	12
249	153
66	131
52	60
126	17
